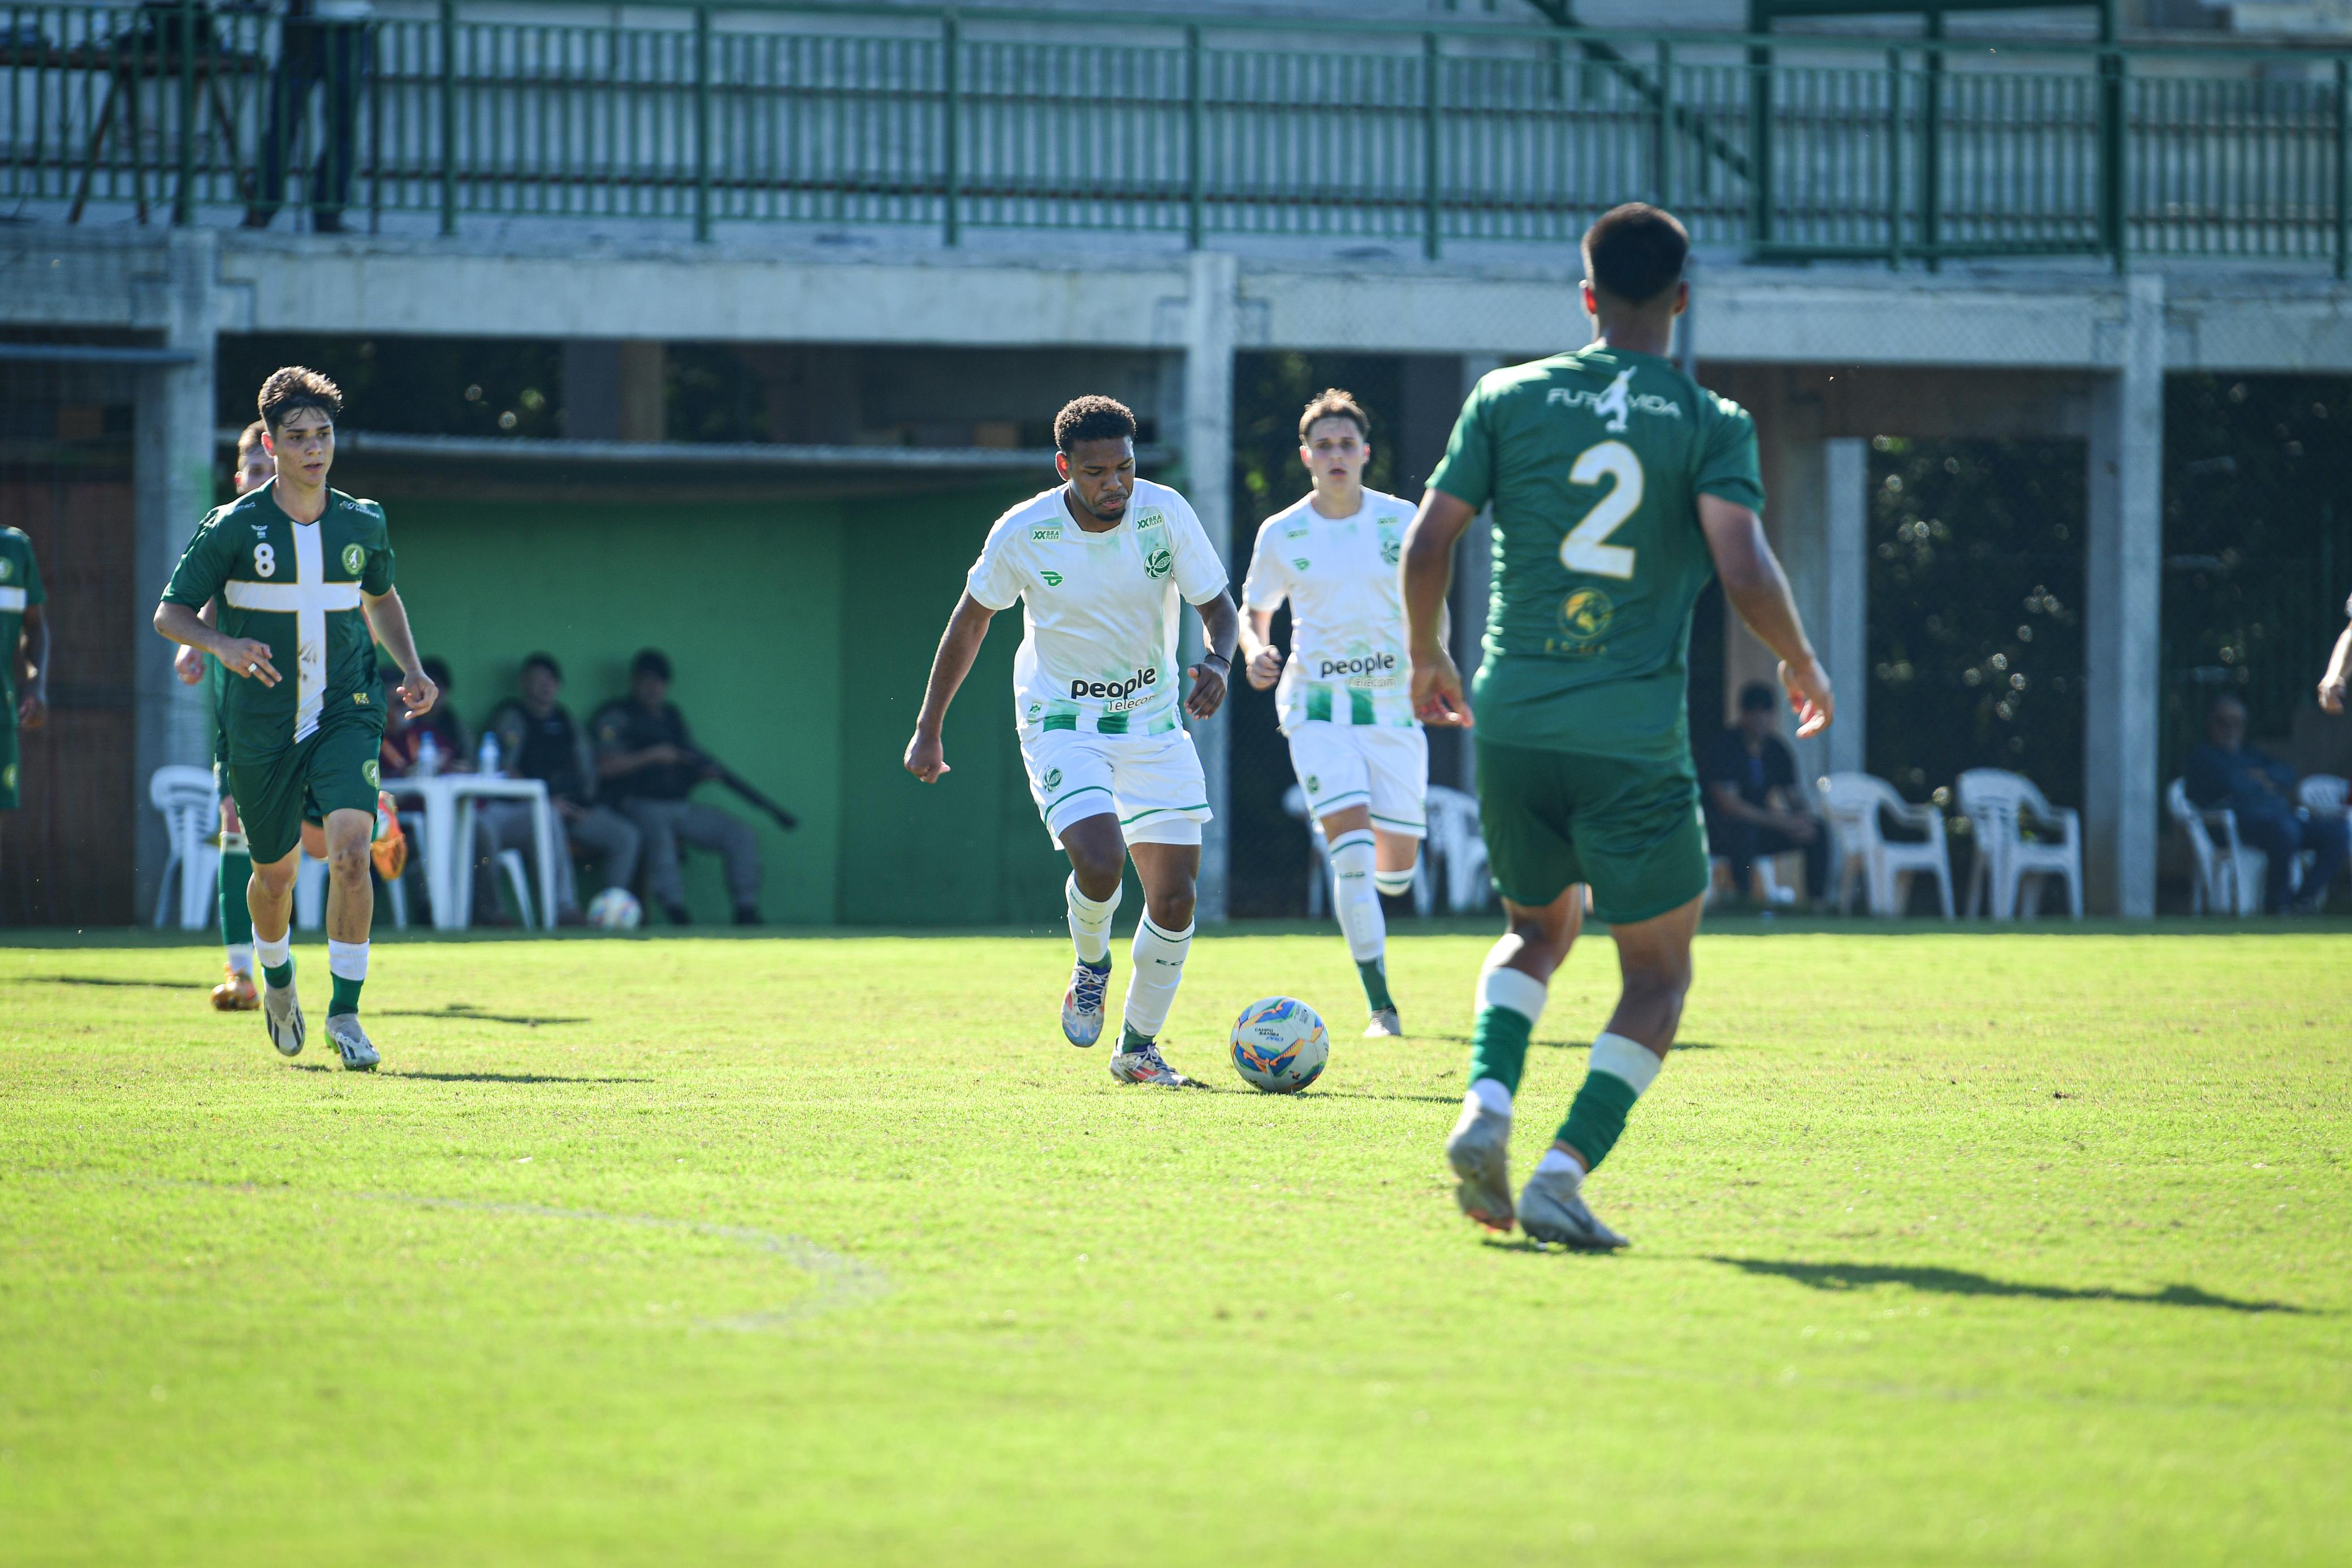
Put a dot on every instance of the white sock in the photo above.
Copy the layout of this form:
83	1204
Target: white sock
1392	883
347	960
1559	1160
273	955
241	959
1159	968
1502	986
1630	1060
233	843
1488	1095
1354	899
1090	921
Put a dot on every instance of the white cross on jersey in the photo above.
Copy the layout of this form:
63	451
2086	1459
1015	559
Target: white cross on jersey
307	599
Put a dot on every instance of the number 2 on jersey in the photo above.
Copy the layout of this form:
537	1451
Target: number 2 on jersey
1587	547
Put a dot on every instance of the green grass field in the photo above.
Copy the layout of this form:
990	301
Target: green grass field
1950	1247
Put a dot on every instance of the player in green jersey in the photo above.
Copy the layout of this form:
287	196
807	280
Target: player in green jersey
24	654
1619	485
303	574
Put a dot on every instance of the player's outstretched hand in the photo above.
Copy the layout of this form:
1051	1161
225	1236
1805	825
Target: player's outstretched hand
1266	668
2331	695
188	664
32	711
418	693
1208	689
926	758
1807	685
1437	695
245	657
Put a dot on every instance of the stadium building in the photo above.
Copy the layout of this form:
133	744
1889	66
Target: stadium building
727	329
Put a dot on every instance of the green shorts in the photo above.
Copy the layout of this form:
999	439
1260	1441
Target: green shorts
333	770
1631	830
8	760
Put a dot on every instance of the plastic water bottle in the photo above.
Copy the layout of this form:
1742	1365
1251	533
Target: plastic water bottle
486	760
429	756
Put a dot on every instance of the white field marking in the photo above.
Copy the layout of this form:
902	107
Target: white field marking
842	1281
307	599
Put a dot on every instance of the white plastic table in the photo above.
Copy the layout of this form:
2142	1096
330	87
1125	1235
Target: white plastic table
448	800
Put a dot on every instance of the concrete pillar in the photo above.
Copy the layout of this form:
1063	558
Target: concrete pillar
1844	638
644	391
1474	581
2123	602
1211	313
175	465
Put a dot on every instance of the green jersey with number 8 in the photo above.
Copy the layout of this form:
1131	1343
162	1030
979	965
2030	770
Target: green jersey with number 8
1594	462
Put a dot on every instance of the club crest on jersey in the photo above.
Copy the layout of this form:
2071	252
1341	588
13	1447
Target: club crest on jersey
1156	564
1052	780
7	568
354	557
1584	616
369	771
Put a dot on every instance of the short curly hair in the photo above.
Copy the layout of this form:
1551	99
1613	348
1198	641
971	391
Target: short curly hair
1093	417
294	388
1333	403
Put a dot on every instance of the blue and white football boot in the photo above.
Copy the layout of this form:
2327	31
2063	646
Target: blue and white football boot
1082	1004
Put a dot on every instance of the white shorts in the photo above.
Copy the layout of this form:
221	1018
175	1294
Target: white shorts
1384	766
1152	783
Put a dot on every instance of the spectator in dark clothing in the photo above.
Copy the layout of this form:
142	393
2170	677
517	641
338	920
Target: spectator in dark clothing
325	46
537	739
1750	795
647	765
2227	772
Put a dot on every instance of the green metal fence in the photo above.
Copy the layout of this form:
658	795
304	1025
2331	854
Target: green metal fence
713	116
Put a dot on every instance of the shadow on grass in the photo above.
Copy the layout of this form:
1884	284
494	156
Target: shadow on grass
1961	1283
465	1012
1587	1045
471	1077
97	980
1413	1099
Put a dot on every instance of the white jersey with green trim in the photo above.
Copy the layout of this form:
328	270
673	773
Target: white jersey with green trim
1347	663
1099	609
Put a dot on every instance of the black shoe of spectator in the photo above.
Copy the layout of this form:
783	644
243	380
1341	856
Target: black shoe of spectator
677	914
748	914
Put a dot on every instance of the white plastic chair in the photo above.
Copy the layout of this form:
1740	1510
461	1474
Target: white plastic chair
191	807
1318	864
1855	804
517	875
1455	843
2230	875
1999	806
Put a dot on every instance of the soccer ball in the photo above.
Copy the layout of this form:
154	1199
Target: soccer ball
615	909
1280	1045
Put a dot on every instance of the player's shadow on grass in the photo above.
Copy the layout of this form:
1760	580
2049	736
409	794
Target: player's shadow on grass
1961	1283
1360	1095
97	980
475	1077
465	1012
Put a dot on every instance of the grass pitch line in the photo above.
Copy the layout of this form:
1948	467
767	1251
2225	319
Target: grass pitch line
842	1281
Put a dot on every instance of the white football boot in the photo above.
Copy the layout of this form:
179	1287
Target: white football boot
1479	1150
282	1013
1082	1004
351	1043
1140	1062
1551	1208
1385	1025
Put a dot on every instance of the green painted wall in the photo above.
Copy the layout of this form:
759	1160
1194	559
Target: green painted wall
801	632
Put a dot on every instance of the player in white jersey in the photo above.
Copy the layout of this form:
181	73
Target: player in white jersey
1346	707
1099	564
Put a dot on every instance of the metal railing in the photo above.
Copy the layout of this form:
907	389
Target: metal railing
715	116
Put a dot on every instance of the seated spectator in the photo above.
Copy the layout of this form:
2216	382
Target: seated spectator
537	739
646	765
1753	811
2227	772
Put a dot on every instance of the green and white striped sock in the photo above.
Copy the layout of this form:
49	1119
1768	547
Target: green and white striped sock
1618	1073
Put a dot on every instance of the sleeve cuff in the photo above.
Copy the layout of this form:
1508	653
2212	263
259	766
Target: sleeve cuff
1223	583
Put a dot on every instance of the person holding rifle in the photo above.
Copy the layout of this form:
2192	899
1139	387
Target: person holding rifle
646	765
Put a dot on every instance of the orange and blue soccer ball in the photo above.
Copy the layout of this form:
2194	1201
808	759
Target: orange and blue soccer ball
1280	1045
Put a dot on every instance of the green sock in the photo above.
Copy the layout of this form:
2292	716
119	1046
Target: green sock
1621	1070
236	915
1376	986
1510	1003
1130	1039
346	999
281	976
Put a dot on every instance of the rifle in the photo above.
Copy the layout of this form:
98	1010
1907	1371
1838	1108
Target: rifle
736	781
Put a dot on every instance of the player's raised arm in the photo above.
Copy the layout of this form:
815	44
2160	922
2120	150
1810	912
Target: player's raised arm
1758	590
959	646
1428	570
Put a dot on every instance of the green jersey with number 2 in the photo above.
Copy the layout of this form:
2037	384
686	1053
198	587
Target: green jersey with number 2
1594	462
